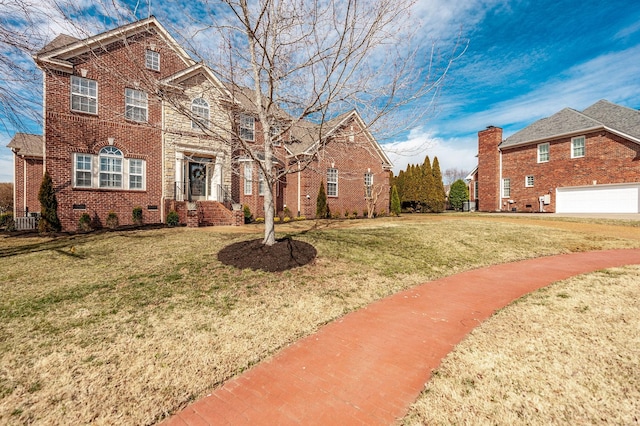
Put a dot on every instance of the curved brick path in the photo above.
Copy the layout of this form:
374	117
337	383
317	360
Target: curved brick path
369	366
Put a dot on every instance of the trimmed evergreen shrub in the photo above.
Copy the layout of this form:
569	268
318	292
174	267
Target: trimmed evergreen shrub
137	216
322	209
396	207
112	220
247	214
84	223
49	221
458	194
173	219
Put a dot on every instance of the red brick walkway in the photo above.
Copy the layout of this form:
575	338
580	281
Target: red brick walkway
369	366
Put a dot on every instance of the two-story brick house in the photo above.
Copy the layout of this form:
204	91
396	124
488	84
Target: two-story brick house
570	162
130	120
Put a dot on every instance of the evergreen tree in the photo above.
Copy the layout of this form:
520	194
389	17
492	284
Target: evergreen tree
49	221
440	197
458	194
321	203
428	197
395	201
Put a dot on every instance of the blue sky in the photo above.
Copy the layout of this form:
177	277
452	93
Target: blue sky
525	60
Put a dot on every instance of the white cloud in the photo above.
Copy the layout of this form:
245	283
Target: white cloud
452	153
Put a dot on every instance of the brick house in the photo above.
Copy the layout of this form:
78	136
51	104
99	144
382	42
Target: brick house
28	170
570	162
142	137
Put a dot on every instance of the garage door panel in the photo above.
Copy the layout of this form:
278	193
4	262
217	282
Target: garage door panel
607	199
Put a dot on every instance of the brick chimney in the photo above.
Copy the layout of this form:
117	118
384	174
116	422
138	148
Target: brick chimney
489	169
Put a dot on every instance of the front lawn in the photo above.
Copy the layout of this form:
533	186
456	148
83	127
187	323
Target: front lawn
127	327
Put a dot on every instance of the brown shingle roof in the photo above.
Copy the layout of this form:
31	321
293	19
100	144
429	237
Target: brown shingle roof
60	41
26	145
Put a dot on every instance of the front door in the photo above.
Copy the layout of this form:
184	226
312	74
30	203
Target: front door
197	180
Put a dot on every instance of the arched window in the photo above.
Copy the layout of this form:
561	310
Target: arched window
110	167
200	112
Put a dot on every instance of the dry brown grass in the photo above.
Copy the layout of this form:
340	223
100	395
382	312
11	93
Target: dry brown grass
126	327
567	354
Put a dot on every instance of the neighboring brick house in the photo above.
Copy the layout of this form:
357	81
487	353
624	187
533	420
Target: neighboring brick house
28	170
128	119
570	162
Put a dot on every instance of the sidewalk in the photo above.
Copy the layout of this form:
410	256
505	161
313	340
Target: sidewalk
369	366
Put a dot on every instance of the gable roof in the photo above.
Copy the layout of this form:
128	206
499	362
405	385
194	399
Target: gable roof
57	53
199	68
26	145
568	122
310	135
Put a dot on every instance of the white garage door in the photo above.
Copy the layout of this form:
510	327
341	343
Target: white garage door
622	198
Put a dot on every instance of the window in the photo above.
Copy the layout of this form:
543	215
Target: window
368	184
200	112
248	178
528	181
506	188
332	182
247	125
83	170
152	60
276	137
135	174
577	147
475	190
135	105
110	167
115	171
84	95
260	182
543	153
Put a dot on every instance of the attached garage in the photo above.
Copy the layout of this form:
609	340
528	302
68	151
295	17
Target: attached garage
617	198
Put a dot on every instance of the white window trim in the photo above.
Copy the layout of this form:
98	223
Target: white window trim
131	103
573	147
540	152
83	95
245	128
141	174
261	180
332	182
527	179
276	137
200	113
248	178
506	189
150	61
368	185
95	173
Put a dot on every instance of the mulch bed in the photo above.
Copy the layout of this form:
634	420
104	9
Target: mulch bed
285	254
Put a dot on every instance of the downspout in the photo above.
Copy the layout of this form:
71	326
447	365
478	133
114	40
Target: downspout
15	203
162	163
500	181
298	188
24	184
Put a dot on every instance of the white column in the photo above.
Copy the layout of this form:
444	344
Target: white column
216	179
178	177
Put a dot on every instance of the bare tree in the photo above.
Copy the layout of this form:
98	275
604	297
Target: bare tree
453	174
302	61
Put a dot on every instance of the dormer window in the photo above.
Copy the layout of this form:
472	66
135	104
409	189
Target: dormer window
152	60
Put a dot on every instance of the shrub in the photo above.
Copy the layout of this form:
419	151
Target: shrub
49	221
260	220
458	194
173	219
112	220
137	216
247	214
395	202
84	223
322	209
5	218
287	212
286	219
276	219
300	218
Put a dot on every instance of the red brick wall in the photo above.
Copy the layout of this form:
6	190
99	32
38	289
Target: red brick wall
33	178
489	169
352	160
67	132
608	159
